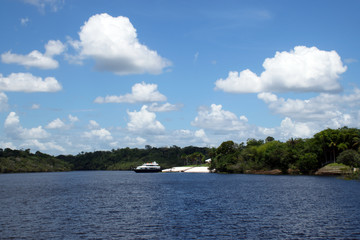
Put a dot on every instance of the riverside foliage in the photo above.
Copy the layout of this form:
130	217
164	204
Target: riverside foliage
303	156
299	156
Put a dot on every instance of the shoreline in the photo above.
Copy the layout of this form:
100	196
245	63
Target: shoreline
187	170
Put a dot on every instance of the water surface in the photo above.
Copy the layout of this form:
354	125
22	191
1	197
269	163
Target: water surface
128	205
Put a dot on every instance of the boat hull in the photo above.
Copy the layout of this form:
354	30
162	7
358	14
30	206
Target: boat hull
147	170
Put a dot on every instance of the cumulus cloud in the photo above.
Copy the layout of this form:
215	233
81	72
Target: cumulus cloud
53	48
187	137
55	124
202	135
112	42
243	82
218	119
166	107
14	129
302	69
35	138
60	124
305	117
7	145
135	141
323	107
289	128
141	92
26	82
3	102
73	118
144	121
101	134
42	146
93	124
36	58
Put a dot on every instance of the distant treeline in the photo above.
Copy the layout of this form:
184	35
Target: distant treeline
128	158
119	159
12	161
299	156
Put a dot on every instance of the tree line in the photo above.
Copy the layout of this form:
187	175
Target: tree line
12	161
116	159
299	156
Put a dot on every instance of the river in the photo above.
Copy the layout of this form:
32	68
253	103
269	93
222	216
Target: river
127	205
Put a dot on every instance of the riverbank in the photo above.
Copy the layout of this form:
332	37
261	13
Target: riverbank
335	169
187	170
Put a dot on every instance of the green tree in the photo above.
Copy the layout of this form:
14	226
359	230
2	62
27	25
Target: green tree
228	147
276	156
349	157
307	163
254	142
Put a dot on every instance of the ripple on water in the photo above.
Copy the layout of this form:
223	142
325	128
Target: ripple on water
113	205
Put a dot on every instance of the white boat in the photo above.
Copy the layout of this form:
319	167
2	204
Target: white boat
148	167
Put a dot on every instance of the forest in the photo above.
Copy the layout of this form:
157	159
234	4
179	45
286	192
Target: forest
295	156
119	159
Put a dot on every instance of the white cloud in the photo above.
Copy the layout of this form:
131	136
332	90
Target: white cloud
300	70
144	121
73	118
267	131
26	82
3	102
35	106
218	119
202	135
36	58
55	124
167	107
93	124
135	141
101	134
54	5
112	42
60	124
7	145
16	131
141	92
12	120
42	146
289	128
33	59
321	108
53	48
303	118
243	82
24	21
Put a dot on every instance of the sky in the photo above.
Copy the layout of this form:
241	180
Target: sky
82	76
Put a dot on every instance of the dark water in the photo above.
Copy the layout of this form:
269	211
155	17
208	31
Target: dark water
126	205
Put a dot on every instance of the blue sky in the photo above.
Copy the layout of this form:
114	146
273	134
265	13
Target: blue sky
93	75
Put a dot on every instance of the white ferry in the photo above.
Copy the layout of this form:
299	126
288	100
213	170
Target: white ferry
148	167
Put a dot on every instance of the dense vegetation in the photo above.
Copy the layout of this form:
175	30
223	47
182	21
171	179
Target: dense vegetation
120	159
303	156
23	161
299	156
127	158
